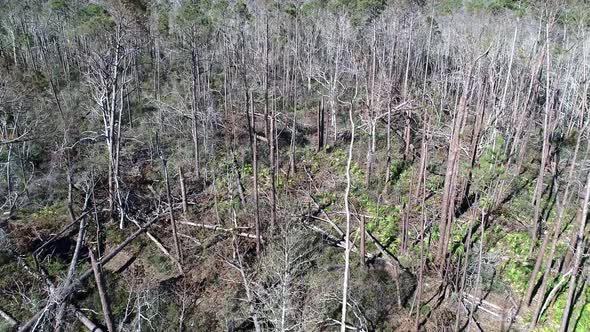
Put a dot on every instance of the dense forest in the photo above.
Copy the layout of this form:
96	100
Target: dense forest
294	165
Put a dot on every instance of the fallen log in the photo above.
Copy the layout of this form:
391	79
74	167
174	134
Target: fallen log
63	230
388	257
386	254
159	245
6	316
233	230
84	320
104	300
75	284
71	271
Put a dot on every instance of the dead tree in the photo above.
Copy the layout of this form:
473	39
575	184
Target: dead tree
104	300
554	234
170	206
348	216
450	183
320	125
182	190
254	144
195	89
65	292
72	269
108	79
578	253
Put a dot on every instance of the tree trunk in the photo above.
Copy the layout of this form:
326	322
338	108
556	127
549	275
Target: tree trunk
194	119
555	234
448	199
182	190
26	326
348	215
320	125
421	190
362	248
71	271
104	301
171	214
547	133
255	172
388	145
578	253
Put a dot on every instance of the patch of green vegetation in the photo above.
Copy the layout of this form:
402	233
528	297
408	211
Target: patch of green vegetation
359	10
576	13
458	231
50	212
447	7
117	293
517	268
55	266
490	166
291	9
579	319
242	10
519	209
385	220
225	206
434	182
24	39
404	182
206	14
496	6
326	198
163	23
247	169
9	270
114	235
357	172
58	5
161	263
338	159
93	18
396	169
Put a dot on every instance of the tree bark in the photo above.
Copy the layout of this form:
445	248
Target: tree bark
26	326
578	253
182	190
194	94
255	178
171	214
320	125
555	234
104	300
348	215
363	251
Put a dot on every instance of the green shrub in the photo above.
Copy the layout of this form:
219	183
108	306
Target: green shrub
517	268
58	5
94	18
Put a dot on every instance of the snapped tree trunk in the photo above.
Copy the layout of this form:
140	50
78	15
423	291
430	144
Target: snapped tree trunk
171	214
320	125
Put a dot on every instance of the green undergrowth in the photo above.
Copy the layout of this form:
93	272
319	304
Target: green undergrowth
517	267
579	319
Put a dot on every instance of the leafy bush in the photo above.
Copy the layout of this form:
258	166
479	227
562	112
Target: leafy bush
93	18
496	6
384	222
58	5
207	15
517	268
